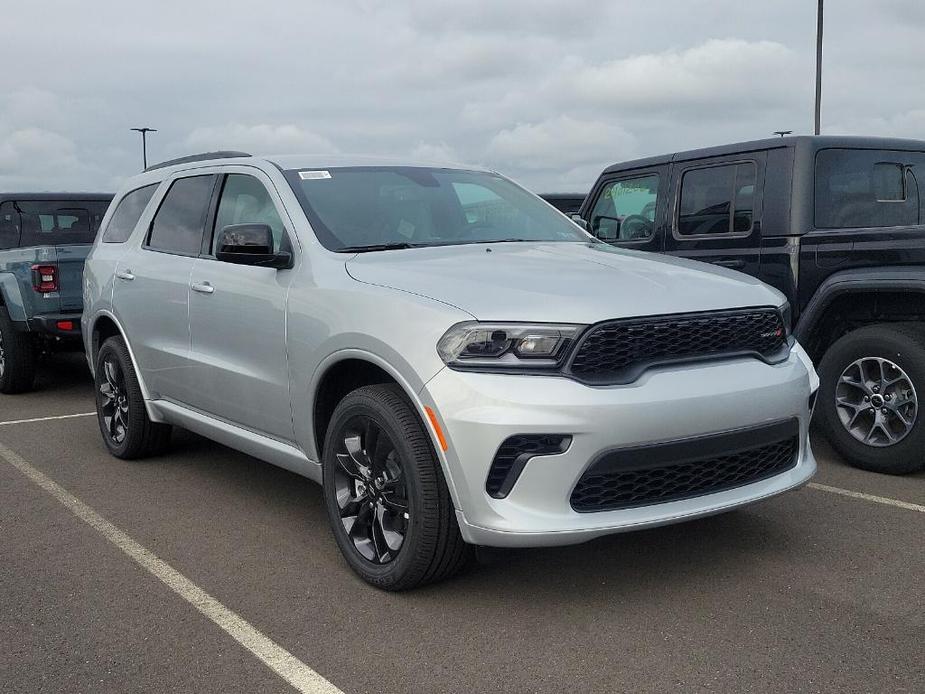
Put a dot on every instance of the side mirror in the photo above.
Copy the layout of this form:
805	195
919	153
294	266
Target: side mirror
607	228
575	217
250	244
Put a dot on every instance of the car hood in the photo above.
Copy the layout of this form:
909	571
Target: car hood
559	282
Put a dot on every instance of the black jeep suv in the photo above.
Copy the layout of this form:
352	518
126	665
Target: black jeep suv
838	225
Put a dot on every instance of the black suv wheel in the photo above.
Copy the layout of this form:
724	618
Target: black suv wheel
386	499
17	357
120	406
869	405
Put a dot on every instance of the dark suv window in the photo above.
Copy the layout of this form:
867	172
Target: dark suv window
717	200
180	220
127	214
865	188
625	209
9	226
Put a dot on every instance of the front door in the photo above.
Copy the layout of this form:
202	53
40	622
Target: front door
627	209
238	319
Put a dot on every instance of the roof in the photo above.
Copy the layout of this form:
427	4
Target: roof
105	197
808	141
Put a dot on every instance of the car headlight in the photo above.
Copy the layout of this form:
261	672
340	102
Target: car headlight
507	345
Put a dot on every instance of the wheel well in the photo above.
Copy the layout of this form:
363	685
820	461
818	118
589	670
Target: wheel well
858	309
103	329
342	378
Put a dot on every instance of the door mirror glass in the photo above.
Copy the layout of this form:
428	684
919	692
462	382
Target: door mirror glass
250	244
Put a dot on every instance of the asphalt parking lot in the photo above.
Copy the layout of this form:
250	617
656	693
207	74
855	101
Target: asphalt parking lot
811	591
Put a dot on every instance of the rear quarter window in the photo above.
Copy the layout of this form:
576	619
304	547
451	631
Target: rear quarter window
866	188
127	214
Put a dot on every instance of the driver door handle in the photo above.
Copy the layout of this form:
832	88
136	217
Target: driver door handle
202	287
125	275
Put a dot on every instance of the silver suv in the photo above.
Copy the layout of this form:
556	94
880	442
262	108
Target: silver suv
456	362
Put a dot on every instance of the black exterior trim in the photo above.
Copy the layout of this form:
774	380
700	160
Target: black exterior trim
505	472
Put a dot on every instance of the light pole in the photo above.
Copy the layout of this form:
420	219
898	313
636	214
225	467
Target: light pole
818	67
144	143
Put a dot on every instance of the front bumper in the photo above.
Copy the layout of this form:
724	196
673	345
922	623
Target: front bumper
479	411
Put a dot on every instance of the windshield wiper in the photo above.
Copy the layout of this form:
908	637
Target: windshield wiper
379	247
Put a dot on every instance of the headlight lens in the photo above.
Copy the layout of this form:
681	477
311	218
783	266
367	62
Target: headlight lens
507	345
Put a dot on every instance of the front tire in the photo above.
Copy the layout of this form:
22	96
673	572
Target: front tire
17	357
872	380
386	499
120	407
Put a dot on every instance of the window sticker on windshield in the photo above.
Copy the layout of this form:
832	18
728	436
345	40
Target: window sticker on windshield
314	175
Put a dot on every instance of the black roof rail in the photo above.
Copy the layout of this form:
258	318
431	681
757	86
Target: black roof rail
205	156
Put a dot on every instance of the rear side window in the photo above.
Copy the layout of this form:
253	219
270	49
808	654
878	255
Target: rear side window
65	222
9	226
625	210
179	223
127	214
717	200
865	188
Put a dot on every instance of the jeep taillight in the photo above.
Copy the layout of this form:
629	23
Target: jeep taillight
45	278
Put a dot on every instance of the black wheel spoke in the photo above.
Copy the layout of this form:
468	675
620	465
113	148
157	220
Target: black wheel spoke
370	490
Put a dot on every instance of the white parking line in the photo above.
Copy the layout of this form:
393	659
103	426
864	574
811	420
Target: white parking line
275	657
867	497
46	419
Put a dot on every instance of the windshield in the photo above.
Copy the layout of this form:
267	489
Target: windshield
359	208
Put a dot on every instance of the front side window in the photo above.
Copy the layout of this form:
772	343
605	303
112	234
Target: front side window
865	188
179	223
52	222
123	220
9	226
360	207
625	210
245	200
717	200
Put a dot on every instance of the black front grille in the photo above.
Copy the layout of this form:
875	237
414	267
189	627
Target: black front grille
619	351
513	455
682	470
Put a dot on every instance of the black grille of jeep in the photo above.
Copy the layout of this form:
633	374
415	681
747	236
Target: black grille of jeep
619	351
671	472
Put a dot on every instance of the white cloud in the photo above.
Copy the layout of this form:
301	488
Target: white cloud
434	152
259	139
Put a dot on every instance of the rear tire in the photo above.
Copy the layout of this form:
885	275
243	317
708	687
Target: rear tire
385	495
120	407
17	357
875	369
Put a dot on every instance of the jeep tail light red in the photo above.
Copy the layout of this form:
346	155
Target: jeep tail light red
45	278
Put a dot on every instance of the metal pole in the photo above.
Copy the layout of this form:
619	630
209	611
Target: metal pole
144	143
818	68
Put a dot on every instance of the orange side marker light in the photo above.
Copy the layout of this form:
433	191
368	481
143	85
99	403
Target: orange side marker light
436	425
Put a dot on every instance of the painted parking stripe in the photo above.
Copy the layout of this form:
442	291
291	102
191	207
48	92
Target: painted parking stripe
275	657
867	497
47	419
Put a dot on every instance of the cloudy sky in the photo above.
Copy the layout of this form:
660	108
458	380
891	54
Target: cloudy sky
546	91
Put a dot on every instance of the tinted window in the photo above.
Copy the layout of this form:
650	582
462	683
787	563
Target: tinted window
127	214
865	188
179	223
50	222
362	206
625	210
9	226
717	200
245	200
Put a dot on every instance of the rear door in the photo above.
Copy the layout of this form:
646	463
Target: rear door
151	290
628	208
715	212
240	367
